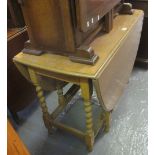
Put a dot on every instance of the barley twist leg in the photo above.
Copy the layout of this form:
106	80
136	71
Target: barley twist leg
89	125
86	94
43	105
61	98
107	121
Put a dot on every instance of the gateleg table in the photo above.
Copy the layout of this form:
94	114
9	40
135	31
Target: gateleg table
116	50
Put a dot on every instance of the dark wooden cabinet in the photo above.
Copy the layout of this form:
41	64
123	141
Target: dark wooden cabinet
20	92
14	14
142	56
66	27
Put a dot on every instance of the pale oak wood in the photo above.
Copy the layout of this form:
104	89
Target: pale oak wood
108	47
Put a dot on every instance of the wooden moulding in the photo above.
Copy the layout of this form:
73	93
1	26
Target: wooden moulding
30	50
85	54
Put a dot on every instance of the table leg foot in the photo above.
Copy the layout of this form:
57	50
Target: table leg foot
107	121
89	140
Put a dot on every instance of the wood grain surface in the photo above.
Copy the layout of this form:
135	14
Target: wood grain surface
15	145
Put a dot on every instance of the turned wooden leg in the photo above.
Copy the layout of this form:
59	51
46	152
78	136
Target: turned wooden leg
43	105
107	121
61	98
86	94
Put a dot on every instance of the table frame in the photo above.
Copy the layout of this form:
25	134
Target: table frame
86	87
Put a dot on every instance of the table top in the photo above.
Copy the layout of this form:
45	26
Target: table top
105	46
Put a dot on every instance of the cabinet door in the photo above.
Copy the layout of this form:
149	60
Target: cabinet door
89	12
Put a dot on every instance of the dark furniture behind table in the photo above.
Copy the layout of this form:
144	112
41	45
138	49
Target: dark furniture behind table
142	56
14	14
20	92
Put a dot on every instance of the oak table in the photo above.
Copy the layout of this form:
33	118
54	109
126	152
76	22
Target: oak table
116	50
